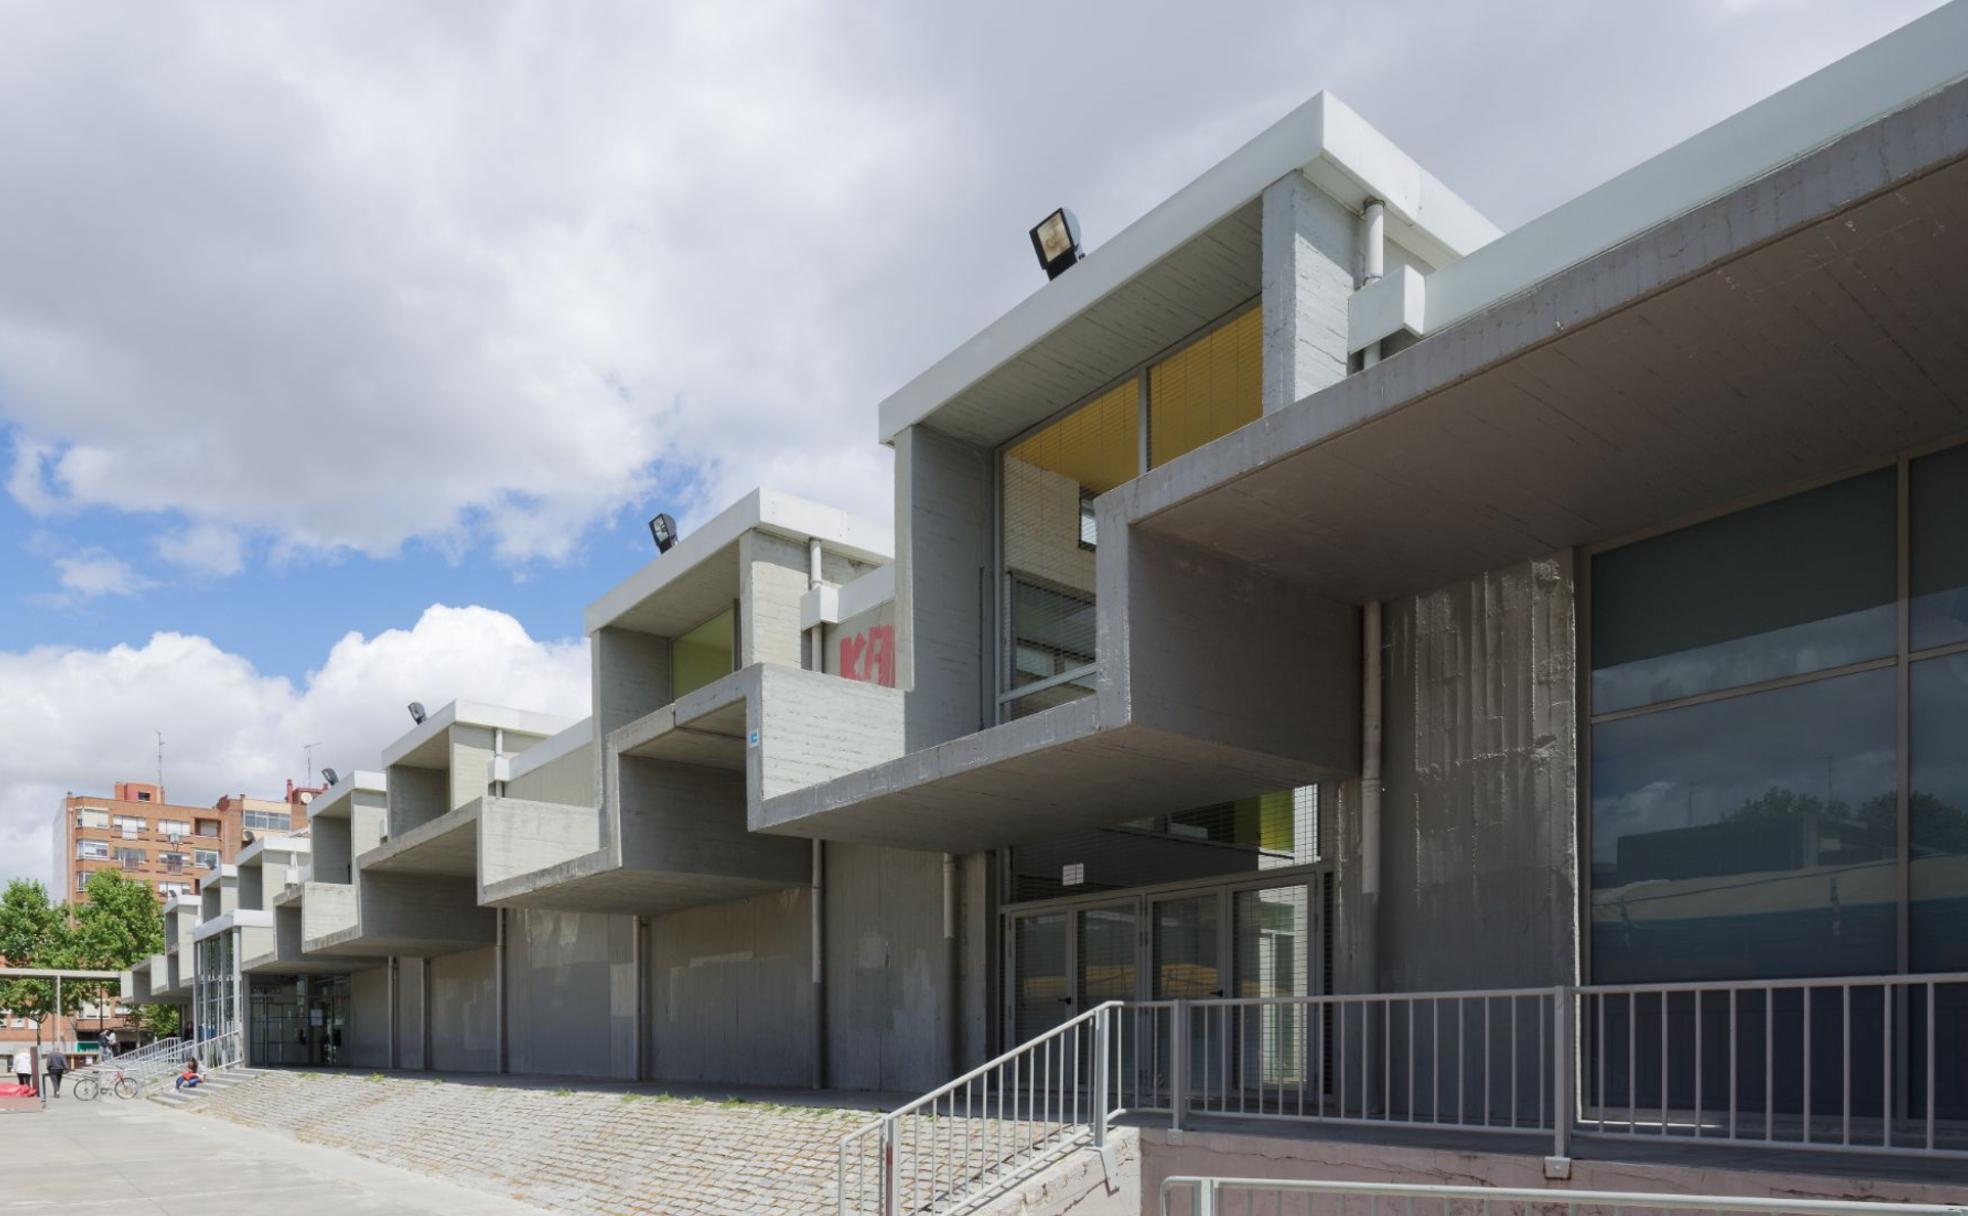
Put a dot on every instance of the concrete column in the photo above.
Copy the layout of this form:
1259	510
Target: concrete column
499	994
944	492
1308	273
395	1040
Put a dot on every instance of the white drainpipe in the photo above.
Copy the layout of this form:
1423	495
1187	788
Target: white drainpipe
1374	249
817	650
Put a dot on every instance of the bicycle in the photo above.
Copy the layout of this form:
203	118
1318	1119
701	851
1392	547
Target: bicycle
88	1088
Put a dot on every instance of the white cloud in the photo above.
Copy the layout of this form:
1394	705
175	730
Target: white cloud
347	274
82	719
204	549
96	572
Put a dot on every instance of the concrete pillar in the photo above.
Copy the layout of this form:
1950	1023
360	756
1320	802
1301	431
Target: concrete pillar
943	590
1310	245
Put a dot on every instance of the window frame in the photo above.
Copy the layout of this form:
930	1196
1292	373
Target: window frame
1901	661
1000	694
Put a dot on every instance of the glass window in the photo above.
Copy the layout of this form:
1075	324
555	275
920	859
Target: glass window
1804	584
205	859
702	655
1273	934
1748	837
1242	837
1050	479
1938	504
1207	389
92	819
267	821
1938	814
92	850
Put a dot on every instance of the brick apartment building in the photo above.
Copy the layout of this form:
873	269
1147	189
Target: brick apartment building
159	843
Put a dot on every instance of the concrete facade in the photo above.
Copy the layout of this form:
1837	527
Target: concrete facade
1369	608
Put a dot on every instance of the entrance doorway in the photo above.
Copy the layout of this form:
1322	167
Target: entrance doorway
1249	939
299	1021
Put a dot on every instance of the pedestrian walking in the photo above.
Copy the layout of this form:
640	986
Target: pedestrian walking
24	1067
56	1064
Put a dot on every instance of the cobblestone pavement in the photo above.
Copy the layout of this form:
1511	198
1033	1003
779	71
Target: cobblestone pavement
113	1157
571	1149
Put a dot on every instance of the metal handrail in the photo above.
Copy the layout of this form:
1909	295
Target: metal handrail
1208	1190
975	1148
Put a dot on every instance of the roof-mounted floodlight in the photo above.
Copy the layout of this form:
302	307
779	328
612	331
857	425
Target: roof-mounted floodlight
328	776
417	712
1057	242
663	531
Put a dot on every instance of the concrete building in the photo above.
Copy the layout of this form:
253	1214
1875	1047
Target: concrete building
1316	594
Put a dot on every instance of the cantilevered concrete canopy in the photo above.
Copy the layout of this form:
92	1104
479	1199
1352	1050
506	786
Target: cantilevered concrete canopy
446	845
1813	323
1039	776
677	832
287	955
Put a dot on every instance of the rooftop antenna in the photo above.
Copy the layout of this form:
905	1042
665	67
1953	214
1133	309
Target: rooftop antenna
158	731
307	767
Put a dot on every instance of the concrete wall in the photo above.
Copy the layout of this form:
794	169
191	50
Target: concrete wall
464	1017
1218	650
327	908
369	1017
1311	262
416	795
569	779
889	1004
471	761
631	678
731	992
517	837
684	818
943	503
772	576
410	996
1042	533
571	993
813	728
1479	807
414	907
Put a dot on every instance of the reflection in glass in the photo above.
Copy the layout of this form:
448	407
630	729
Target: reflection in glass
1187	967
1107	950
1263	832
1938	806
1273	935
1039	1002
1748	837
1938	540
1804	584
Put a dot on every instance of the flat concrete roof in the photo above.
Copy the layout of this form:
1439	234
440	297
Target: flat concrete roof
1191	258
334	802
698	577
470	713
1887	75
1806	326
548	750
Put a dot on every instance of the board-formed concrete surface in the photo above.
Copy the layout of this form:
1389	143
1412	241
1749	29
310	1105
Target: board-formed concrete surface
113	1157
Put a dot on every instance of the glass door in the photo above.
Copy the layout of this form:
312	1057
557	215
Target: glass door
1041	989
1273	930
1186	949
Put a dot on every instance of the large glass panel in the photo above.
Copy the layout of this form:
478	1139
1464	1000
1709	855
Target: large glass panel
1938	824
1938	527
1748	837
1272	930
1040	995
1800	585
1048	478
1107	955
702	655
1207	389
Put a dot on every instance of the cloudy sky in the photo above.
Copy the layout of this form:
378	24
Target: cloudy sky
345	347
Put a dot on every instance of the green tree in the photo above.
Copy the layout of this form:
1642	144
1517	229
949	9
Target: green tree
33	933
119	926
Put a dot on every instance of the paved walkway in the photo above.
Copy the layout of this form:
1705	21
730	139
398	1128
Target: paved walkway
119	1158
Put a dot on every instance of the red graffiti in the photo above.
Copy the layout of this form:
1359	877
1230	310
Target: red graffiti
869	656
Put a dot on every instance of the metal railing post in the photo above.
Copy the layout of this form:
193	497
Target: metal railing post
1178	1062
1103	1036
1206	1197
1564	1070
890	1201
